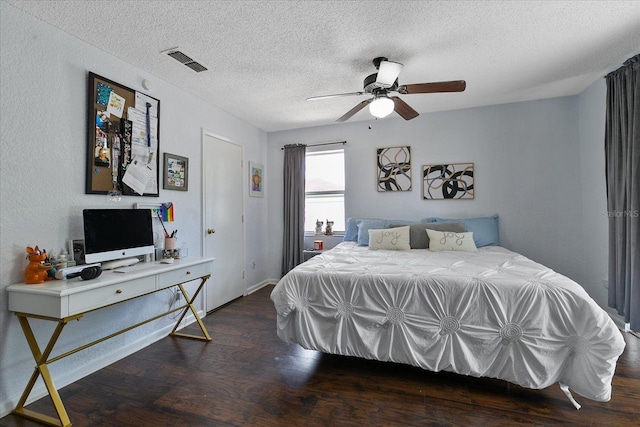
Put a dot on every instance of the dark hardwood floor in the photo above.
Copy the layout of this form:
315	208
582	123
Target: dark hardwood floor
247	377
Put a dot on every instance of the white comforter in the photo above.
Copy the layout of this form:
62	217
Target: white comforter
493	313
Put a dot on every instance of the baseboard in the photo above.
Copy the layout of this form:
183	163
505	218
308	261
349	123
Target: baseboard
260	285
39	390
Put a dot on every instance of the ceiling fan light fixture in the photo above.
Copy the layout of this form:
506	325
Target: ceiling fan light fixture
381	107
388	72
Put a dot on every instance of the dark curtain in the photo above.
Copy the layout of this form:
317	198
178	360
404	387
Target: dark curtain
294	171
622	150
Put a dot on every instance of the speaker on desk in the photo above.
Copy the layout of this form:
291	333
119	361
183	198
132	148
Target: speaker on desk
78	251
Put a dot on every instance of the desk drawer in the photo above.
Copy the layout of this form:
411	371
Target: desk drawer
183	274
85	301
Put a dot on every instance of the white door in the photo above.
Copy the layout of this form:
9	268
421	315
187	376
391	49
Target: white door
223	189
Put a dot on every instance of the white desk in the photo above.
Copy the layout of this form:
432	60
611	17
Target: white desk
61	301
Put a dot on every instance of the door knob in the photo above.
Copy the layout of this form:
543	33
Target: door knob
210	231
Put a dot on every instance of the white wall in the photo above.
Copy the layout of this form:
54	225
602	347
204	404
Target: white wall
43	152
527	169
595	229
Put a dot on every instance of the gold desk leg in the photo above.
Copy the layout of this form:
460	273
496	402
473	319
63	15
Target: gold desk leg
195	313
42	369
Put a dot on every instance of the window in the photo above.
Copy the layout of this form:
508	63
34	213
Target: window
324	189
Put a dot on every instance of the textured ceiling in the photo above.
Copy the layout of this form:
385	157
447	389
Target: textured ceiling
266	57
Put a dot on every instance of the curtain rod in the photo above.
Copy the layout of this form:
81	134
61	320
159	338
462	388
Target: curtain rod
324	143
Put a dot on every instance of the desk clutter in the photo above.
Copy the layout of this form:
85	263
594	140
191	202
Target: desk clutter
171	253
112	238
42	267
167	247
86	272
169	250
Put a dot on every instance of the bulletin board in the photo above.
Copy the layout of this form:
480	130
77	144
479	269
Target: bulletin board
123	145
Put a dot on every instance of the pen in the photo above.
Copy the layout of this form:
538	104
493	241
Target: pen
148	126
166	233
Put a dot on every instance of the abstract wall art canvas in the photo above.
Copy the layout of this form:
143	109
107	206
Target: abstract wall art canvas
448	181
394	169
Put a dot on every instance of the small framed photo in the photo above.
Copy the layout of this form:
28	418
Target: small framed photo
256	180
176	172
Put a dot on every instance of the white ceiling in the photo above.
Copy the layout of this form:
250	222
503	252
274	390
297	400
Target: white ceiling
266	57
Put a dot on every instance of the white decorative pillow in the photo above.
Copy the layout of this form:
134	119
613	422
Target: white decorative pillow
394	239
451	241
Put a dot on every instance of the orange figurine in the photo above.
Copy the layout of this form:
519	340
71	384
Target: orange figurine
36	271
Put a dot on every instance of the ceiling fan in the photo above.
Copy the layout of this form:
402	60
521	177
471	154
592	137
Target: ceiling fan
385	81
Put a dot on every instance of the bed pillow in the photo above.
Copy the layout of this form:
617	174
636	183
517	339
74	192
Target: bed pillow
418	237
394	239
485	230
399	222
450	241
351	233
363	229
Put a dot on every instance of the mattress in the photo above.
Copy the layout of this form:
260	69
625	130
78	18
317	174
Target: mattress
492	313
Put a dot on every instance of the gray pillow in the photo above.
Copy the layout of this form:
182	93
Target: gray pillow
418	237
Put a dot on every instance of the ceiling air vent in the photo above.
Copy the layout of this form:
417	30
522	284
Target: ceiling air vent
195	66
186	60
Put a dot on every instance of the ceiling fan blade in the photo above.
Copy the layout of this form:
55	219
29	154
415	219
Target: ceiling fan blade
315	98
354	110
452	86
403	109
388	73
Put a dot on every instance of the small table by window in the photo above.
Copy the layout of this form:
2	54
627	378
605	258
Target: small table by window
310	253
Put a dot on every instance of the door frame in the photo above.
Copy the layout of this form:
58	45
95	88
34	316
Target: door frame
245	183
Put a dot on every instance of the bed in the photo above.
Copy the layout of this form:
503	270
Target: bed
485	313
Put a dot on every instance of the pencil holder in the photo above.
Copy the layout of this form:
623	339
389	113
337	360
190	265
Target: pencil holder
170	243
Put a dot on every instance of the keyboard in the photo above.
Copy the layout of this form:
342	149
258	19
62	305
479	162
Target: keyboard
135	267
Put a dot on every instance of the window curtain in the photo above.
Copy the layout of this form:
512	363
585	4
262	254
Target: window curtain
622	151
294	171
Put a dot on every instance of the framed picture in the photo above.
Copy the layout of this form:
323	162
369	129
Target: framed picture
256	180
123	140
448	181
394	168
176	172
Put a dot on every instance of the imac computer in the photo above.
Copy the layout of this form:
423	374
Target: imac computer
117	235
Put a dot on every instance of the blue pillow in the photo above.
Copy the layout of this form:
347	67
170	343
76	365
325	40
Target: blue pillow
485	230
351	233
363	229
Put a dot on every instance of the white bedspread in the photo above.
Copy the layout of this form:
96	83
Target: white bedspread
493	313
